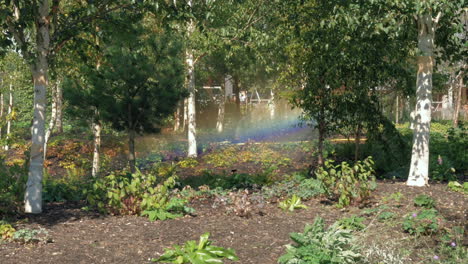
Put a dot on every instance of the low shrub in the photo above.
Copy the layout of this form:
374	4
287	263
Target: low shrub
201	253
353	223
319	245
457	187
292	204
347	183
425	222
425	201
137	193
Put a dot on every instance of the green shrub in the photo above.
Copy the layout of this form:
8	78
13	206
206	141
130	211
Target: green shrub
347	183
441	169
6	230
136	194
451	248
425	201
385	216
425	222
298	184
64	189
353	223
12	185
30	235
321	246
201	253
292	204
457	187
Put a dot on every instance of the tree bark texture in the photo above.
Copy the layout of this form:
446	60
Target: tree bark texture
59	108
1	113
419	167
39	69
221	111
96	147
191	111
456	111
52	121
177	117
10	110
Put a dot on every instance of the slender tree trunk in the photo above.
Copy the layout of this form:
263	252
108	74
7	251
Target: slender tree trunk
184	124
10	110
177	117
321	130
39	69
131	151
357	142
419	167
191	111
53	120
272	106
221	110
236	91
456	113
397	110
1	113
96	146
59	108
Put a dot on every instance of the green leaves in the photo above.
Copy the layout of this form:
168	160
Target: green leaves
201	253
319	245
292	204
347	183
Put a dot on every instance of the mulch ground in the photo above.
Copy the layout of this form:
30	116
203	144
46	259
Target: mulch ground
78	236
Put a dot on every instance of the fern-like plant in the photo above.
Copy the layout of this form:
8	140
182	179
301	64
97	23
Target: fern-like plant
201	253
321	246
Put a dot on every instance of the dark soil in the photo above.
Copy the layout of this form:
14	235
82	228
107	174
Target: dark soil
78	236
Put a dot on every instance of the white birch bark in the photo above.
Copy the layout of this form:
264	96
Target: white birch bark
221	110
419	167
177	117
191	111
33	194
59	109
192	132
53	120
10	110
96	148
184	124
272	105
456	111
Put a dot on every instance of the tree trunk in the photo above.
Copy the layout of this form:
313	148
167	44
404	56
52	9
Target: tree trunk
10	110
53	120
39	69
192	133
397	110
272	106
1	113
357	142
177	117
456	112
131	151
321	130
221	110
191	111
419	170
96	146
184	124
59	108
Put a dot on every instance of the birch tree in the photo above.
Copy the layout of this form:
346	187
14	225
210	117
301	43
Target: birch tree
39	29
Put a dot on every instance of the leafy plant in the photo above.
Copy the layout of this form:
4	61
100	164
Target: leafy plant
442	169
137	193
201	253
30	235
452	249
353	223
347	183
424	201
457	187
292	204
6	230
175	208
188	163
396	196
425	222
385	216
319	245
